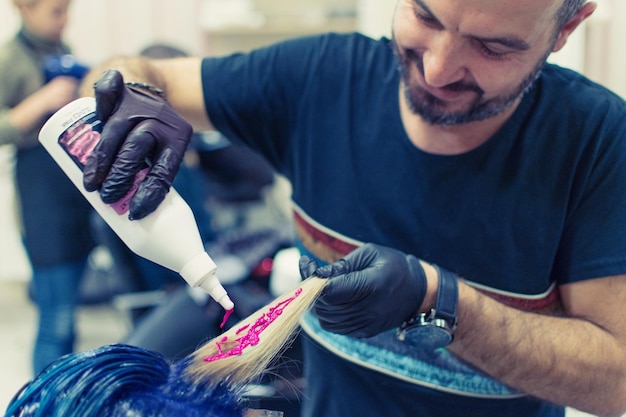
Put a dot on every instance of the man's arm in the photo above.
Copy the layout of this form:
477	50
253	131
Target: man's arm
578	360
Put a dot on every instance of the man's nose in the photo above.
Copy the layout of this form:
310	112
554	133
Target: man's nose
444	61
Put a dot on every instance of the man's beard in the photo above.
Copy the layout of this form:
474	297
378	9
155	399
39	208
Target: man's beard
433	110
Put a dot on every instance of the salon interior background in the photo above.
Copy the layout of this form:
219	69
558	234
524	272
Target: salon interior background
98	29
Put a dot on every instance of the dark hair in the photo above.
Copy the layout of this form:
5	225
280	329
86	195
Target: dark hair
567	10
162	51
120	380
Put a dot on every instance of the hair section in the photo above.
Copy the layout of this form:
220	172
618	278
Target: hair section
244	352
121	380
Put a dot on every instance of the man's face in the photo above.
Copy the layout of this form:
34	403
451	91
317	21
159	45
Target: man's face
46	18
469	60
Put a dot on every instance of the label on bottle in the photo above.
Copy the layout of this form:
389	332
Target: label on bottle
79	140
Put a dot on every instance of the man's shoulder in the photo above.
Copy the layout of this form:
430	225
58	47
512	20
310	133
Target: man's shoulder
332	55
567	98
578	89
338	41
355	53
357	41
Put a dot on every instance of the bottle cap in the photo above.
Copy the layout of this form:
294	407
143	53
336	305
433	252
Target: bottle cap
200	272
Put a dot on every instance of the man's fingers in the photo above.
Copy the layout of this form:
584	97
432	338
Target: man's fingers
149	195
99	162
307	266
108	90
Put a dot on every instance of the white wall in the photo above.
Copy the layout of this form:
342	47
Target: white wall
101	28
14	263
98	29
375	17
10	19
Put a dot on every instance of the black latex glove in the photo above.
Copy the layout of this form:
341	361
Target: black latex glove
371	290
138	127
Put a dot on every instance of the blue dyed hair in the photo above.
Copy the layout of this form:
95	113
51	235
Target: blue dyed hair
127	381
119	381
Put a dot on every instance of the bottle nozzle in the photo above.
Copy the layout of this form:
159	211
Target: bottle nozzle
213	287
200	272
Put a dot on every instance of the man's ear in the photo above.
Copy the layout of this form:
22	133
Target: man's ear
572	24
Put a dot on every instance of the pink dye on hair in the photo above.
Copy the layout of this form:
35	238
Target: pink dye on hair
252	332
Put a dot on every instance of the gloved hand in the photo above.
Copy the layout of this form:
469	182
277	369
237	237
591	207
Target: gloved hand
371	290
138	127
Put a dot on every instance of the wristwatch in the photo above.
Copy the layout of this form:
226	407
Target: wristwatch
434	329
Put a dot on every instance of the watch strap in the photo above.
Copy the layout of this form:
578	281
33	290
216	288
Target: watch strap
447	296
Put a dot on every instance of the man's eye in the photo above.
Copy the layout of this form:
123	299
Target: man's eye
427	19
490	52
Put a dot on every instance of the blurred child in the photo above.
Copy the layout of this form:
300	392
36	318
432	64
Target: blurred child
39	76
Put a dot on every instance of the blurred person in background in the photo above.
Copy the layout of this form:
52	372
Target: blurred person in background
37	77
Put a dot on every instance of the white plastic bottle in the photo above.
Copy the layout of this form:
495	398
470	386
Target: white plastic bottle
169	236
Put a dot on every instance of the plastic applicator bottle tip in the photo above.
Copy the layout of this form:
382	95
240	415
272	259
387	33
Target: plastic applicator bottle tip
226	303
215	289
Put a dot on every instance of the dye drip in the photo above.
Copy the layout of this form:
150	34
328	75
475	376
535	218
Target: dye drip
227	315
252	331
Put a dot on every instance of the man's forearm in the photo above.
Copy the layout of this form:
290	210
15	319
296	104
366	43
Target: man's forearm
566	361
136	69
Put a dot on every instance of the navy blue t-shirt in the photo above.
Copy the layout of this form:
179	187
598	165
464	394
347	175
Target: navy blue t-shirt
539	204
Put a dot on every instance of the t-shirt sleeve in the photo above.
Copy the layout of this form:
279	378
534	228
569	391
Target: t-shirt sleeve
594	235
255	98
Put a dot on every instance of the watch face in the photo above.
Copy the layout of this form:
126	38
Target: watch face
428	336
